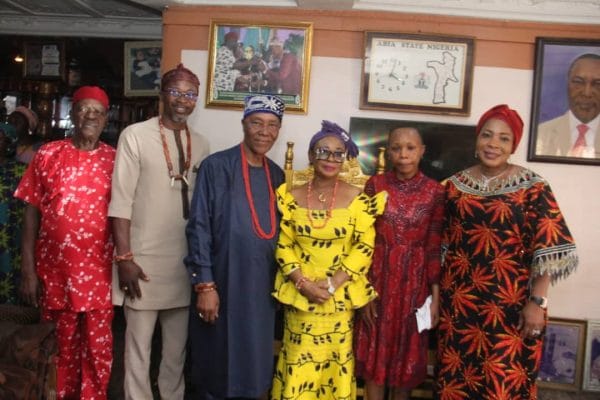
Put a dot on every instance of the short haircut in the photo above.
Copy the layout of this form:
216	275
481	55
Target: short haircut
405	127
586	56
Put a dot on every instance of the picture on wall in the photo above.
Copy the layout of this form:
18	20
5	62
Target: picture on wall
250	58
591	374
562	355
565	111
449	148
142	68
417	73
44	60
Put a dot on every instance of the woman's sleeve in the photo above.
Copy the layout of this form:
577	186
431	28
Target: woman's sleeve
199	232
358	260
285	254
434	236
552	245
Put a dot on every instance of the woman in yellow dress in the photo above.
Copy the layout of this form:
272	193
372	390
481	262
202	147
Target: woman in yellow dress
324	252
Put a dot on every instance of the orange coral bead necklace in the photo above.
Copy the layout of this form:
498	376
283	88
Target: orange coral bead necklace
255	221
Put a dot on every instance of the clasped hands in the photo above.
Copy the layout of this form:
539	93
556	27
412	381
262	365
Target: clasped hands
316	291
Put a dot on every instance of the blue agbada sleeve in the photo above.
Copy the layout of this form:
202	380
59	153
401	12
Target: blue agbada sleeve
199	228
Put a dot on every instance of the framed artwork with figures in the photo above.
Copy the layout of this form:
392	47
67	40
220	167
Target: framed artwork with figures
417	73
562	355
142	68
246	58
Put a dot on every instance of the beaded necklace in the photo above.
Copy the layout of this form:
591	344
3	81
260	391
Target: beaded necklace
489	179
255	222
187	159
329	209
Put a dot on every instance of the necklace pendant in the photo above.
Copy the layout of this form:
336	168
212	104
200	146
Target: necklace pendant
172	181
322	197
185	180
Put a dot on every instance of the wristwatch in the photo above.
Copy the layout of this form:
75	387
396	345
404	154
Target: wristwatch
540	301
330	287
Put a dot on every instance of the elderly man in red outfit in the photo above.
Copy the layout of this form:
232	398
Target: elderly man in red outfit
67	248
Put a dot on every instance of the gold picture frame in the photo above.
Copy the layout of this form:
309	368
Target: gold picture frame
563	354
253	58
417	73
141	68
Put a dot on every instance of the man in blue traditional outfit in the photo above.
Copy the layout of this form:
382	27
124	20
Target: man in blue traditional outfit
232	233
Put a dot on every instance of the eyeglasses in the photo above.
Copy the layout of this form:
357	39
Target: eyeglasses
89	109
259	126
177	94
322	153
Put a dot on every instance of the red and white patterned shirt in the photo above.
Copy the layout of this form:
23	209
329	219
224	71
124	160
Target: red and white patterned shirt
71	189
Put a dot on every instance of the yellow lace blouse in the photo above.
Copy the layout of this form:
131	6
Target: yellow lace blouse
345	242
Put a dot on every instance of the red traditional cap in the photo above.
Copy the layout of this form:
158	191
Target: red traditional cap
508	115
232	35
91	92
180	73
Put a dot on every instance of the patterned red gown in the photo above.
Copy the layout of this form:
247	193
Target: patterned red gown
497	240
406	263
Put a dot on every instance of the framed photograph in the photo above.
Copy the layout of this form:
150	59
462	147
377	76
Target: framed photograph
565	102
449	148
250	58
591	367
44	60
562	355
417	73
142	68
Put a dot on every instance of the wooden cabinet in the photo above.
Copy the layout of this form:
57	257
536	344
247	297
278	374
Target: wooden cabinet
126	111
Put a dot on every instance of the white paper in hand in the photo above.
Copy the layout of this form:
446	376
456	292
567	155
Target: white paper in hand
423	315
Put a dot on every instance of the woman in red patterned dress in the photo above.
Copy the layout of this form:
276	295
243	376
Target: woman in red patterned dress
406	264
505	240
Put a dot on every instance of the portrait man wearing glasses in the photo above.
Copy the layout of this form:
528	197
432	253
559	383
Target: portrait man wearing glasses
153	179
576	132
232	232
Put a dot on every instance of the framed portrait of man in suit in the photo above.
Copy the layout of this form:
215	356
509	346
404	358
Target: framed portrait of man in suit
565	117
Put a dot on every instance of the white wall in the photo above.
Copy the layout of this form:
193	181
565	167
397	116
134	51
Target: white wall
334	95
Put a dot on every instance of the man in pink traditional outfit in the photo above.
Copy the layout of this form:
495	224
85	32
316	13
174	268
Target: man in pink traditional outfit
67	248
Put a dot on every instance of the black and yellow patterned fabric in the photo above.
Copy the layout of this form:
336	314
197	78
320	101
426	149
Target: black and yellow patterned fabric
316	359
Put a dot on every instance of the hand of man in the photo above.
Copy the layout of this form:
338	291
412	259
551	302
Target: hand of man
207	306
129	275
30	288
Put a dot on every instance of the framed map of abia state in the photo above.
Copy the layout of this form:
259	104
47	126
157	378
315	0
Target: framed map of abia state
417	73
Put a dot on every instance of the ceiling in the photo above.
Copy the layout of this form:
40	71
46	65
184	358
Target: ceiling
142	18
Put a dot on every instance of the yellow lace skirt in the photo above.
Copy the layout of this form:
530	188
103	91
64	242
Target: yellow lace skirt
316	359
